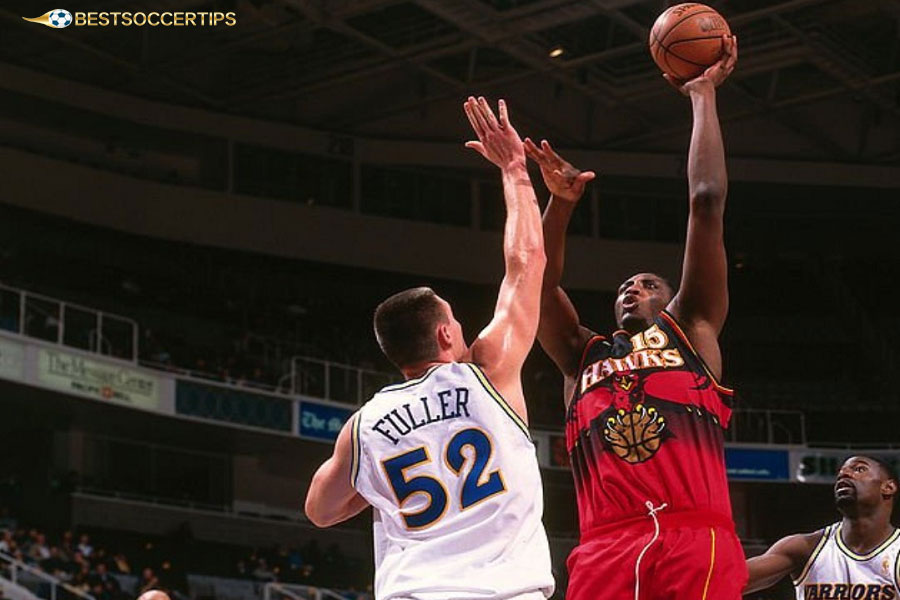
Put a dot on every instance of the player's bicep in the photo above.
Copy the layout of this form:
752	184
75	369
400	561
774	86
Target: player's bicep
503	345
331	497
560	332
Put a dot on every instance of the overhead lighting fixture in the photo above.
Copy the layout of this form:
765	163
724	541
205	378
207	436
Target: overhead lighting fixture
557	51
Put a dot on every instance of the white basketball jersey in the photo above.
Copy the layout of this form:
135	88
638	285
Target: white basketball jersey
452	474
834	572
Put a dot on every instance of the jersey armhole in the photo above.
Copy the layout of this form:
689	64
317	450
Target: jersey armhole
498	398
826	533
355	450
672	322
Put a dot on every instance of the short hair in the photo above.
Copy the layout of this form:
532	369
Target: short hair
889	470
405	323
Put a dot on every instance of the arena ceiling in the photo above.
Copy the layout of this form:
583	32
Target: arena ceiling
817	79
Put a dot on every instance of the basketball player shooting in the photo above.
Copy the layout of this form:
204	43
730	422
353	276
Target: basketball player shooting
445	458
645	410
858	557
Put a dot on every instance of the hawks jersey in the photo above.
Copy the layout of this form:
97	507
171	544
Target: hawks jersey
452	474
834	572
646	423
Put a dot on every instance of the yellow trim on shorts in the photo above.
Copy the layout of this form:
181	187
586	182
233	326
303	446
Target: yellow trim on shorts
812	557
492	391
712	562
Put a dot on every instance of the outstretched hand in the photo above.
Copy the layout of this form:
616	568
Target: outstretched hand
498	140
562	179
714	75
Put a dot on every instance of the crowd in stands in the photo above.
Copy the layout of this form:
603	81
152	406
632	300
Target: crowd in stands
112	565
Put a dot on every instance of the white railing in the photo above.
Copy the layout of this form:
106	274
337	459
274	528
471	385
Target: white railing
37	582
289	591
335	381
68	324
763	426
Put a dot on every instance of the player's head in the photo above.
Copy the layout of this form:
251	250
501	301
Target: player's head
640	298
154	595
864	484
417	326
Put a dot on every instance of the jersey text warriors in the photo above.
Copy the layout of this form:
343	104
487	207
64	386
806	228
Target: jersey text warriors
834	572
452	474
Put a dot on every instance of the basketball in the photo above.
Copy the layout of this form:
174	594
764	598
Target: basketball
687	38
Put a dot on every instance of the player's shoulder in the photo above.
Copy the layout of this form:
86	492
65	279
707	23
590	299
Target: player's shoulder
803	546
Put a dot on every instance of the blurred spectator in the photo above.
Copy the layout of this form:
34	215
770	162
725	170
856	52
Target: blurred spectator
38	550
55	564
6	541
67	546
120	564
84	545
147	581
262	571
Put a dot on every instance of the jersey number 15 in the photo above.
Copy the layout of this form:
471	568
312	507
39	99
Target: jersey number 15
474	488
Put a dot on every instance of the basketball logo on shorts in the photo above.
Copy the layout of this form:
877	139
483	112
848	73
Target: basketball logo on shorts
635	436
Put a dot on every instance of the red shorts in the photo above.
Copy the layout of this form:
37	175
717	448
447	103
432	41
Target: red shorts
697	556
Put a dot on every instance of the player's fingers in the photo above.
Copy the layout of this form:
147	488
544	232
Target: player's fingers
550	153
477	147
585	177
734	50
504	113
487	115
470	113
533	151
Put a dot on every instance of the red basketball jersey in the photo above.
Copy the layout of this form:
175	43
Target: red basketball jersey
647	422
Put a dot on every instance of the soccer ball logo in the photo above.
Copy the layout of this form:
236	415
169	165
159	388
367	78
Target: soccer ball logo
60	18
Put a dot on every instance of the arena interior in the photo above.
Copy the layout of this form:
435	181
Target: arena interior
196	224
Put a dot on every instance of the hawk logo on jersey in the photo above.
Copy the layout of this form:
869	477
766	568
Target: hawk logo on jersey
635	436
625	382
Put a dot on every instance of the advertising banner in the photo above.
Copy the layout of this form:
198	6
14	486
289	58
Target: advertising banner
94	379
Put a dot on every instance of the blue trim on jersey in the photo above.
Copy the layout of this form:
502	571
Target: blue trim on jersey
493	393
411	382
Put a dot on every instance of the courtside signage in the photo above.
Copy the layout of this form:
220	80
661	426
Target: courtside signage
60	18
821	465
12	360
757	464
98	380
321	421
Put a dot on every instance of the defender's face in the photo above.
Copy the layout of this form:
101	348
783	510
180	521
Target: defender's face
858	483
640	298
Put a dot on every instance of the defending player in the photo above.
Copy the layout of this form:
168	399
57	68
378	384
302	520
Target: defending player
857	558
445	458
645	410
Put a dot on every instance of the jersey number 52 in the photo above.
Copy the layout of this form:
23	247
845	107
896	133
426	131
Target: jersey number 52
476	486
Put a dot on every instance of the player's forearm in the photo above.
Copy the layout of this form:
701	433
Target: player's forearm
523	239
555	223
765	571
707	174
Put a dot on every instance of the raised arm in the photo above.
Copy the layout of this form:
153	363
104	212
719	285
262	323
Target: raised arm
787	556
560	332
702	300
503	345
331	498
